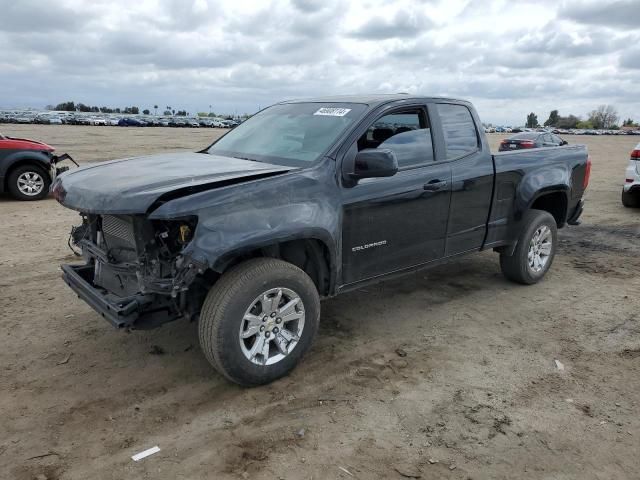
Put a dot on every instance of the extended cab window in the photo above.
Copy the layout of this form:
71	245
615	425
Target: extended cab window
460	136
406	133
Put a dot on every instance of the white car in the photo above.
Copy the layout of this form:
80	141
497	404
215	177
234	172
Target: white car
631	188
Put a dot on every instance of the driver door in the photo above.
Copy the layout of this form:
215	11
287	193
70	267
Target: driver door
394	223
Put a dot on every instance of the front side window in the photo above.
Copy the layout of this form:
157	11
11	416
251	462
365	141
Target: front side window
406	133
289	134
460	136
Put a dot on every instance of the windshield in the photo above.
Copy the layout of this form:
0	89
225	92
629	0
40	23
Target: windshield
289	134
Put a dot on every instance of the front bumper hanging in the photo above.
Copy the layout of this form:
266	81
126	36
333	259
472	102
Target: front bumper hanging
121	313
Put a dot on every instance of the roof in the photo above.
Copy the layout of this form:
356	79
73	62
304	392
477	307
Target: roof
371	100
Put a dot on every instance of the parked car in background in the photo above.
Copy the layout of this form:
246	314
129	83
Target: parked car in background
130	122
27	167
631	188
531	140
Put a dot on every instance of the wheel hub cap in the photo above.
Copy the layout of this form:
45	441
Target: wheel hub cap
540	249
30	183
272	325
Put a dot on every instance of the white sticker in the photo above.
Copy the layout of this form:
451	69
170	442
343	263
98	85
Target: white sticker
333	111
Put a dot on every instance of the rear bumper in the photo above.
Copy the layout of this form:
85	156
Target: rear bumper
633	174
120	313
574	219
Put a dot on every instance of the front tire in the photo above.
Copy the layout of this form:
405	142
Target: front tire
535	250
29	182
258	320
630	199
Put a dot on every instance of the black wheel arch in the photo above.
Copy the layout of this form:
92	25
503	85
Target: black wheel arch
554	200
16	160
312	255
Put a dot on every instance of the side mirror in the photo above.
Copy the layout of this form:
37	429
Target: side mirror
564	142
373	162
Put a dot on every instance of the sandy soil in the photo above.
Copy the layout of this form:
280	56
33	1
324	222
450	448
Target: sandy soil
476	396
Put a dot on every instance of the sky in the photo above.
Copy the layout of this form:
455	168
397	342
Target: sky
508	57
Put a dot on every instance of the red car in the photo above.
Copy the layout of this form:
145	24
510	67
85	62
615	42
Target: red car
27	167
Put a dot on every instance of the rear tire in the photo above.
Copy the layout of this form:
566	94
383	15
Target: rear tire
238	305
28	182
535	250
630	199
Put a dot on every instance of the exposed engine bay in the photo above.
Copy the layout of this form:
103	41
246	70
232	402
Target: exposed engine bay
139	264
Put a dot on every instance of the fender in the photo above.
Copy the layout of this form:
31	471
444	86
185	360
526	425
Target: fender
525	200
538	182
236	219
217	243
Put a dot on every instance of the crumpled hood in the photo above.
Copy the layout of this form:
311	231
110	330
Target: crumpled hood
132	185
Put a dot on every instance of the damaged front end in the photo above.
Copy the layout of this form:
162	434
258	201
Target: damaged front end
137	272
55	170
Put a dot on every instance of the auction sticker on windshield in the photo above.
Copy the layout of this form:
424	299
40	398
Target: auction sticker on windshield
333	111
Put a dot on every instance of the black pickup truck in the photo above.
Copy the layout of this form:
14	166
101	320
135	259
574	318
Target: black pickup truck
308	199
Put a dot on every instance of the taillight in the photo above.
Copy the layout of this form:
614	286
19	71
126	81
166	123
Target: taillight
587	173
527	143
635	155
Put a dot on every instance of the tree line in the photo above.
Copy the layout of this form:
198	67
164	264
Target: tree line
605	117
81	107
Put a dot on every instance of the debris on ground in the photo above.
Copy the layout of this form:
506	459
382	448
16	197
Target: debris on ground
559	365
127	443
408	471
346	471
300	433
146	453
65	360
44	455
500	422
401	352
156	350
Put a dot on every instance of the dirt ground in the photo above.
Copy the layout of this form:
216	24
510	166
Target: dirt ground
477	396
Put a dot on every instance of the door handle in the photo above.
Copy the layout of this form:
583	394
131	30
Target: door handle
435	185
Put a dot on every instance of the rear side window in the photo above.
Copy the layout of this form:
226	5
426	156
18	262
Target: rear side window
460	136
